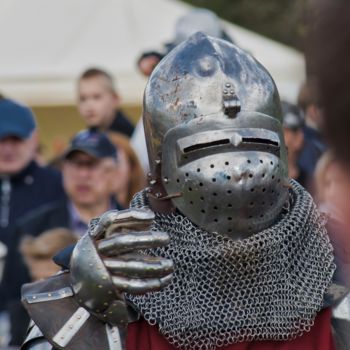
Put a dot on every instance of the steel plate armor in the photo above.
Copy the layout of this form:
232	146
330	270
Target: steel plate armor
213	125
221	248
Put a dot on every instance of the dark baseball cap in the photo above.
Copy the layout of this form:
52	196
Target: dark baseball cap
293	117
93	143
15	119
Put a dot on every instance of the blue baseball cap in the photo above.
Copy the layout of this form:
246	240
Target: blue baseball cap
15	119
92	142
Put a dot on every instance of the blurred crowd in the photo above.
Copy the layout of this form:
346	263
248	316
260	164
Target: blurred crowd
45	208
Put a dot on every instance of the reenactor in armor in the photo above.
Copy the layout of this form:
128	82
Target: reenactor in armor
221	251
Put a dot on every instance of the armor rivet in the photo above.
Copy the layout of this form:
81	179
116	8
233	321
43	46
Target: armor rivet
225	92
228	85
104	316
157	161
232	92
110	292
34	297
104	277
158	195
78	317
153	182
49	294
100	286
70	326
106	304
110	312
166	180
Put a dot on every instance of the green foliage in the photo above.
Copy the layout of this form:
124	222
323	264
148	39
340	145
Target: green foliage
281	20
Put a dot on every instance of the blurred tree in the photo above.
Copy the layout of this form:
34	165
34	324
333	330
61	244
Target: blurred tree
281	20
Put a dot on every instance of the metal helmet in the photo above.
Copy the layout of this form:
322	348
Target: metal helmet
212	121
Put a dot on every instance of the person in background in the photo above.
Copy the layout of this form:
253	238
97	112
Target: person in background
314	144
329	64
24	185
99	103
330	181
198	19
294	138
130	177
37	253
89	167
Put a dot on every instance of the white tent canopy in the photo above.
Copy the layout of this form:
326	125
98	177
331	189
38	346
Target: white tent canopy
45	44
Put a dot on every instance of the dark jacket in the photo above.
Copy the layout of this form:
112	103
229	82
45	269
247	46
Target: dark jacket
47	217
30	189
314	147
122	124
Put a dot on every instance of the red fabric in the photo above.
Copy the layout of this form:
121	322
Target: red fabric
142	336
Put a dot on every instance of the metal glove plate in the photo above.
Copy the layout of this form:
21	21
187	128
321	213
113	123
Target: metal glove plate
106	263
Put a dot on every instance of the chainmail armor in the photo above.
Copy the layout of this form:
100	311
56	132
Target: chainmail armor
268	286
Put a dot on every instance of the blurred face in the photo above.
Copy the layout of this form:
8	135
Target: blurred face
87	180
121	180
97	102
336	188
294	140
314	116
147	65
15	153
41	268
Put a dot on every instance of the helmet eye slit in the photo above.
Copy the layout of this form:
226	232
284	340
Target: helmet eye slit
200	146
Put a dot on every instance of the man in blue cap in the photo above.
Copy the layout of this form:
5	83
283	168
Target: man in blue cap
89	168
24	185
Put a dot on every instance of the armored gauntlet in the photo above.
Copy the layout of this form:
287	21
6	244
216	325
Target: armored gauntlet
85	308
106	263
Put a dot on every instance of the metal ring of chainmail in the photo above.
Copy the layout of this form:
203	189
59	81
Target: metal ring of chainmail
268	286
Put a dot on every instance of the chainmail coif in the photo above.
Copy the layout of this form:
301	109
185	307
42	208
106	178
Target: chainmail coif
269	286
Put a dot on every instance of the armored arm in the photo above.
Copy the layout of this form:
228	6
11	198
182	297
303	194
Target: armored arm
85	307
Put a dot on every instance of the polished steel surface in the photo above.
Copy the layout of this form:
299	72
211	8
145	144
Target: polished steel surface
108	263
71	327
54	295
212	120
342	310
35	340
114	338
